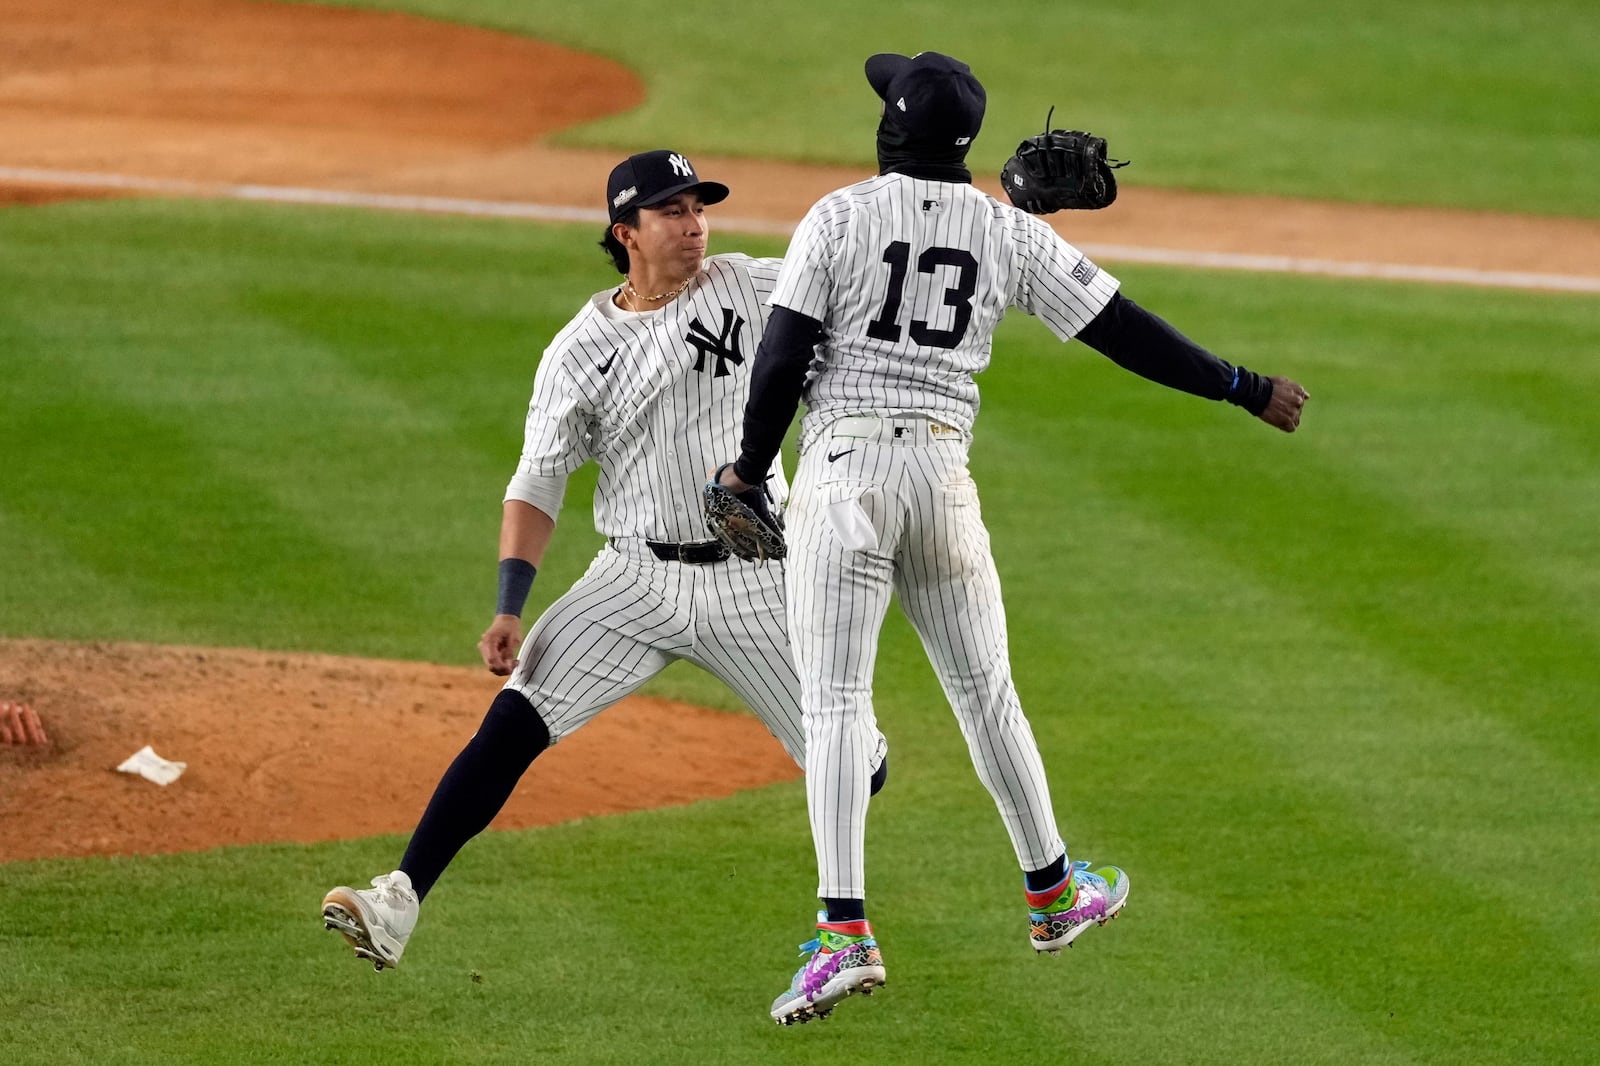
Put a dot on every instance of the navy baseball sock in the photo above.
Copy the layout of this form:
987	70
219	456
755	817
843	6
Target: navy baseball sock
845	910
1047	877
880	776
475	787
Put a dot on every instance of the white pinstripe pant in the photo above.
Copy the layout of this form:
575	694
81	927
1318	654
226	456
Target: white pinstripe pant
885	505
631	615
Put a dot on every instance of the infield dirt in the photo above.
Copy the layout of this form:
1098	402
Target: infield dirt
306	748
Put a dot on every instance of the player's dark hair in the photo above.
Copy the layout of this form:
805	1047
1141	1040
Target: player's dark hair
613	247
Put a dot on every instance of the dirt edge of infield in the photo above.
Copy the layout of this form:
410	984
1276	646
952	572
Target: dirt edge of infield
302	748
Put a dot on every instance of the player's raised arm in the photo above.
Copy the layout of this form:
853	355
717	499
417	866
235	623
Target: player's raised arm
1145	343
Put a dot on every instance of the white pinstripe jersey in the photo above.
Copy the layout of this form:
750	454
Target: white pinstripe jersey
656	398
910	277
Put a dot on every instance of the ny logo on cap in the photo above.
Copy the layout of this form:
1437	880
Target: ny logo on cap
680	166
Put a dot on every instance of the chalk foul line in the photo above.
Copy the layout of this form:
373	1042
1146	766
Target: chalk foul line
1278	264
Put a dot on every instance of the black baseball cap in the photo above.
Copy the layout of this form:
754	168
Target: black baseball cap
930	96
648	178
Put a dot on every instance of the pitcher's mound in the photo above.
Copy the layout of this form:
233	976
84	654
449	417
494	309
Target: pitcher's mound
305	748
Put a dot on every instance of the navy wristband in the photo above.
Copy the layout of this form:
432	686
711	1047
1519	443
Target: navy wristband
516	578
1251	391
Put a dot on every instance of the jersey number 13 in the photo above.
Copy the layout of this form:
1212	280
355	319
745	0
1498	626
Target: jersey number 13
959	296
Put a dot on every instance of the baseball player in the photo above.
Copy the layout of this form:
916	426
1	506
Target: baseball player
648	380
883	312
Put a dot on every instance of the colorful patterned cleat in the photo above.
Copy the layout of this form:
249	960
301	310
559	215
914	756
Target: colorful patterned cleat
1084	898
377	921
843	959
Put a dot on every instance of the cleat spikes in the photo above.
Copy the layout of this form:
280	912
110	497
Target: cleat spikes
1098	898
841	964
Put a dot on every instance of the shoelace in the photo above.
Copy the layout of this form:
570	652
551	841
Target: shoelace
809	946
390	891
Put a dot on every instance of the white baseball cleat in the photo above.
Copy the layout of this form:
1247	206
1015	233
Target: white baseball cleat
377	921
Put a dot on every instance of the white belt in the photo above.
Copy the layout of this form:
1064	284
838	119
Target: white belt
892	429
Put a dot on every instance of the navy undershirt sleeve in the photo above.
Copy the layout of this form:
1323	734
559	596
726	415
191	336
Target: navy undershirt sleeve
777	377
1143	342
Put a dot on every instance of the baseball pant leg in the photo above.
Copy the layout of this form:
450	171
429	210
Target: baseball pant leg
837	602
744	640
950	591
621	624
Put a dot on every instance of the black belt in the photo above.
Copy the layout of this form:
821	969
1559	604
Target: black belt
694	551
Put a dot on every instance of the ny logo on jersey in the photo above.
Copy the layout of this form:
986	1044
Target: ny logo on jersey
725	346
680	166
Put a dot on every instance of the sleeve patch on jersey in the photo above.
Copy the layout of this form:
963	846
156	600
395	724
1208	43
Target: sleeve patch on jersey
1084	270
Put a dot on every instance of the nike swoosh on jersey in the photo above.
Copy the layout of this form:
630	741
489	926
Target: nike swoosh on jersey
836	456
605	367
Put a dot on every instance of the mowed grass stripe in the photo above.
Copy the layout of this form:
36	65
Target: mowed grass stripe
1345	798
1292	777
599	969
215	503
1447	606
289	417
1471	587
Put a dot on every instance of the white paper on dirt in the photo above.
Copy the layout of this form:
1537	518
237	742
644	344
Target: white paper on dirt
152	767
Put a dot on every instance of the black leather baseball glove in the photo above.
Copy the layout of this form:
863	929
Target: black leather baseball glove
1061	168
743	520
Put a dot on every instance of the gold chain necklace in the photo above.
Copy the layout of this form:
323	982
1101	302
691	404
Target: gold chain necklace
631	294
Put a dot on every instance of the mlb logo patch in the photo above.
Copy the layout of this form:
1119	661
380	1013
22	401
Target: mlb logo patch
1084	271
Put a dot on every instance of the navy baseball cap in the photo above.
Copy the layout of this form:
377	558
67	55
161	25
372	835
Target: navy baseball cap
930	96
648	178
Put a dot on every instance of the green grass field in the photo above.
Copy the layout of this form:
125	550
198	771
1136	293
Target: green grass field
1481	104
1329	698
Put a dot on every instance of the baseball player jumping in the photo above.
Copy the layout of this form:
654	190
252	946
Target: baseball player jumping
648	380
884	309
